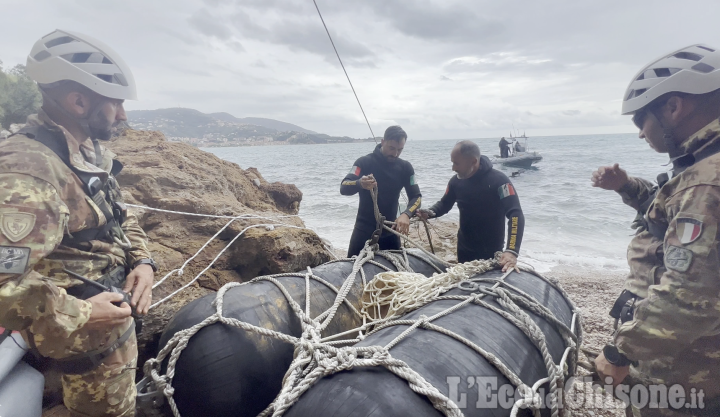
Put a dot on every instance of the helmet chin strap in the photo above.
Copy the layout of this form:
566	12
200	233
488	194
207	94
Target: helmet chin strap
84	121
671	145
679	160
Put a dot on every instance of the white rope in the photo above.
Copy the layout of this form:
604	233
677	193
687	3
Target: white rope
213	216
180	271
392	294
510	298
214	260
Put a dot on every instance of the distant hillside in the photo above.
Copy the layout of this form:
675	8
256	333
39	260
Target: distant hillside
261	121
223	129
189	123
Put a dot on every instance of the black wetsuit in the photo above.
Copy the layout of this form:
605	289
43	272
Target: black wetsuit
484	200
504	148
391	178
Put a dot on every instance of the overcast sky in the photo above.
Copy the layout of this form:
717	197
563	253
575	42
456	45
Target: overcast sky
440	68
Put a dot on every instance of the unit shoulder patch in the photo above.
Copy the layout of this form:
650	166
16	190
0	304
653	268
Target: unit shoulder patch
16	226
678	259
688	230
13	260
506	190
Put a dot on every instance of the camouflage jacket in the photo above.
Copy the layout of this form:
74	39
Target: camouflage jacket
675	332
41	200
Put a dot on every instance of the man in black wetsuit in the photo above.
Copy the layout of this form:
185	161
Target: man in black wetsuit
504	147
485	197
391	174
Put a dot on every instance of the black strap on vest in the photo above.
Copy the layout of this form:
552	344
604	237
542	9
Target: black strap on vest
114	212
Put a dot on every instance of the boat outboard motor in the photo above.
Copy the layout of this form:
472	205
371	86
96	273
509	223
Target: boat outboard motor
21	386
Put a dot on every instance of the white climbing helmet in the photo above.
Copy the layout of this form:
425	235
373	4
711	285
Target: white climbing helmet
692	70
64	55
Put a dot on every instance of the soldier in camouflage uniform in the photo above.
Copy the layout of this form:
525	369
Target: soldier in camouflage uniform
61	209
669	314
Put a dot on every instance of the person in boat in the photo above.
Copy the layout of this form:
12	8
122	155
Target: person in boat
62	210
504	147
485	197
385	170
518	147
668	315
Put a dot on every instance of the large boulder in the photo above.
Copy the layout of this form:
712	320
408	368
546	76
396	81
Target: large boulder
179	177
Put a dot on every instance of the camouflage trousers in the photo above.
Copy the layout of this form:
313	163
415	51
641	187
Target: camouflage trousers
109	389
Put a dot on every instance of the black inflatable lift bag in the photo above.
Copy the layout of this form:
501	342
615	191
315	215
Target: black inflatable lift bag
226	371
376	392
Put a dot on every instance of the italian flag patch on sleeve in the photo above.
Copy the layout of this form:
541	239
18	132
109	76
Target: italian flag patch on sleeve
412	179
355	170
506	190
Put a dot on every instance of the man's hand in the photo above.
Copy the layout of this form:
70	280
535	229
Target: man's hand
606	369
104	314
609	178
140	282
424	214
402	224
368	182
508	261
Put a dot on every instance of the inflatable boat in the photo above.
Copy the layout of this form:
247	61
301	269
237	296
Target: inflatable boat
21	386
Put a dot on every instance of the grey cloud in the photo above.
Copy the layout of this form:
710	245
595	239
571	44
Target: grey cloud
503	62
236	46
206	24
302	34
438	21
299	34
562	56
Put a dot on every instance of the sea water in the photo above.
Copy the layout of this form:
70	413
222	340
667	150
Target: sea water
567	221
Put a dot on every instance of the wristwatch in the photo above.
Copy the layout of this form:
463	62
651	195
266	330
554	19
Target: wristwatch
146	261
613	355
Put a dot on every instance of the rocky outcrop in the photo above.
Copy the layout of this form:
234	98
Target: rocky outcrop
179	177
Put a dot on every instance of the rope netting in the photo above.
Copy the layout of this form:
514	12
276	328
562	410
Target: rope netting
392	294
385	300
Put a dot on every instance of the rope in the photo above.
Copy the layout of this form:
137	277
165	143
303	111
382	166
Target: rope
180	271
381	223
214	216
392	294
508	296
345	71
